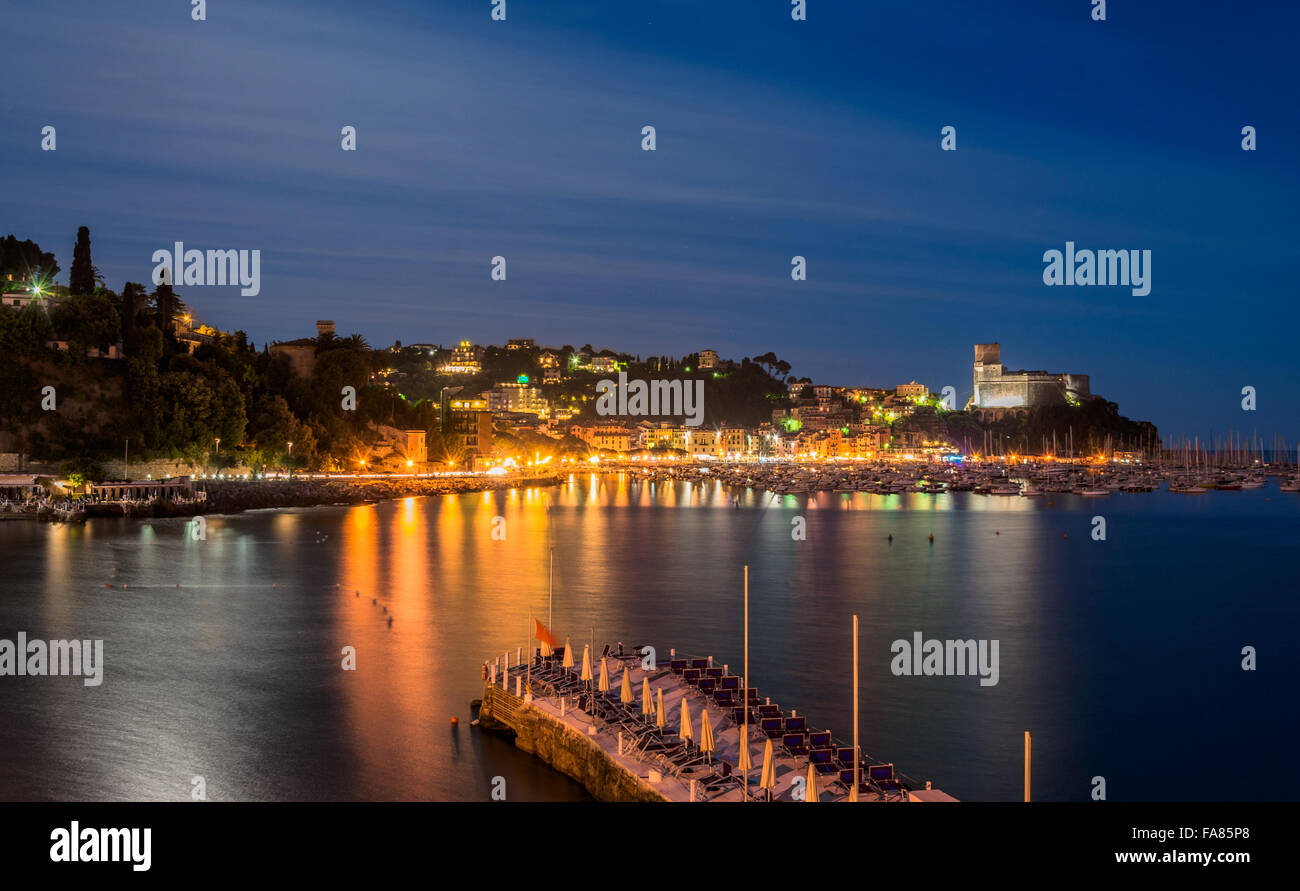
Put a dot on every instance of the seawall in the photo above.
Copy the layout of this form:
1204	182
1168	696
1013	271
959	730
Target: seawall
573	754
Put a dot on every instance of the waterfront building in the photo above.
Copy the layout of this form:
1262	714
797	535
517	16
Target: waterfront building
912	391
708	359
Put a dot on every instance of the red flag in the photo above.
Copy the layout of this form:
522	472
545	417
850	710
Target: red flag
542	633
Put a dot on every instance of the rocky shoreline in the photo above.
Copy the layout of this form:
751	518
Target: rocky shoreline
227	497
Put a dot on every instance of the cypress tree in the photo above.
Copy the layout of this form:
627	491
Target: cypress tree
81	280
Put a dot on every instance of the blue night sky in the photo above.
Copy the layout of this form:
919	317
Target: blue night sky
775	138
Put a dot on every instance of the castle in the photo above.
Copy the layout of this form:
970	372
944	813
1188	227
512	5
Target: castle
999	391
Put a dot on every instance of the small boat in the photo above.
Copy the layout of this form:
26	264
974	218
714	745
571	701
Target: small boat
1090	493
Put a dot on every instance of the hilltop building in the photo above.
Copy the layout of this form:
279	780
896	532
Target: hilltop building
999	390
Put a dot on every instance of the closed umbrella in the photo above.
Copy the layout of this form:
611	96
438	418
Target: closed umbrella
547	652
647	704
706	735
586	663
568	654
625	694
810	791
745	762
767	779
604	676
685	732
660	721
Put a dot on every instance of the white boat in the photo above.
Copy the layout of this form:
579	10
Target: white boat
1090	493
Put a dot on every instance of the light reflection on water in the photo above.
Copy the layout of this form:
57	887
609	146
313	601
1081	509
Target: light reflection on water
1121	656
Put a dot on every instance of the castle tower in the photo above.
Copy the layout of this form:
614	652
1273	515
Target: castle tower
324	327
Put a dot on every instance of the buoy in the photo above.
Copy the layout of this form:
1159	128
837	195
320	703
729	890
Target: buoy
931	542
1063	535
178	585
998	532
455	720
891	538
390	621
107	585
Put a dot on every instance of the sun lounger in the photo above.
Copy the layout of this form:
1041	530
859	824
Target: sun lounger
823	760
795	743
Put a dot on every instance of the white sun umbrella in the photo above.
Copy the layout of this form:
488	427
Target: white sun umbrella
810	791
568	654
686	732
706	735
745	762
604	676
547	652
586	663
767	779
625	694
647	704
660	720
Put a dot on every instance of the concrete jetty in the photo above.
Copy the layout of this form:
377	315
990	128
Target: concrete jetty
618	754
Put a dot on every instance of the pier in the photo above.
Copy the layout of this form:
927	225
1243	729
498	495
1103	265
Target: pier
626	740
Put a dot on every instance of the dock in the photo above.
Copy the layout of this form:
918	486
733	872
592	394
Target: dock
619	752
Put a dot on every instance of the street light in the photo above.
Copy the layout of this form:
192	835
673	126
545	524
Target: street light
290	445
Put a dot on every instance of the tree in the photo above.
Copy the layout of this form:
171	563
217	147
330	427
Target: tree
25	262
165	301
81	280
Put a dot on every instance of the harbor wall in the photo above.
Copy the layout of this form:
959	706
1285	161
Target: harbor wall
573	754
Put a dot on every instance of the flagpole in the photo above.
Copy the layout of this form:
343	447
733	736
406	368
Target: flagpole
550	595
853	788
528	677
744	695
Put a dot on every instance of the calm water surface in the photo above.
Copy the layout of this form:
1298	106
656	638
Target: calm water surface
223	656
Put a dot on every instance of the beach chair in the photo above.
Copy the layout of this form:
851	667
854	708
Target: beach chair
738	715
844	755
724	698
882	778
773	727
823	760
677	666
820	739
845	779
707	685
691	676
769	711
796	725
700	664
730	682
715	673
795	743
